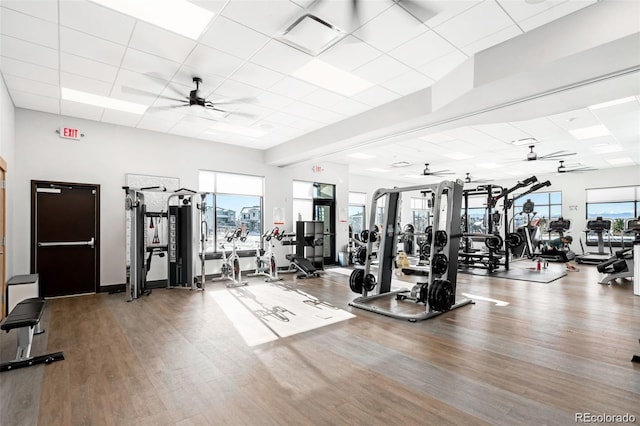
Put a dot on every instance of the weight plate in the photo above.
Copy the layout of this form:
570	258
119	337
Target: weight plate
369	282
355	280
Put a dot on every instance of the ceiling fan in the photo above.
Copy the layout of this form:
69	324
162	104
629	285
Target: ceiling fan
413	7
563	169
469	179
428	172
533	156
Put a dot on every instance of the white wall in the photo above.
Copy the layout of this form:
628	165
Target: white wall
7	152
108	152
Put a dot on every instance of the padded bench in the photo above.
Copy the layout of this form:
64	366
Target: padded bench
25	318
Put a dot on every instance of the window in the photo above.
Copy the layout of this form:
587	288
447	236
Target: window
618	204
357	211
380	211
237	202
420	211
547	207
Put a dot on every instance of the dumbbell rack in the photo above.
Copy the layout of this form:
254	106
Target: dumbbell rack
438	294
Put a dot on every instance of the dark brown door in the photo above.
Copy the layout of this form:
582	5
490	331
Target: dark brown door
65	237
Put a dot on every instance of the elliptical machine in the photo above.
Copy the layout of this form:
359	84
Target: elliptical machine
266	260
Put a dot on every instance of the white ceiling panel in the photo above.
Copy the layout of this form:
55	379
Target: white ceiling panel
30	71
160	42
273	101
144	63
75	109
391	28
442	66
96	20
292	87
35	102
280	57
349	53
503	131
376	96
209	60
269	17
491	40
33	87
28	52
554	13
257	75
339	13
422	49
306	124
86	67
439	11
323	98
184	79
157	123
231	37
521	10
140	84
350	107
381	69
474	23
233	89
90	47
85	84
19	25
121	118
43	9
408	82
282	118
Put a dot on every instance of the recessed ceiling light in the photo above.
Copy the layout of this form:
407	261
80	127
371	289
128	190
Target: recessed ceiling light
620	161
312	34
525	141
590	132
238	130
331	78
612	103
605	149
179	16
375	169
360	156
457	155
401	164
101	101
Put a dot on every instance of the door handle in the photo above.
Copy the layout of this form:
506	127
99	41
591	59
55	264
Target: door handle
89	243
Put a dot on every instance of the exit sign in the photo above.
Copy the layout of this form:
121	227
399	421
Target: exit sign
69	133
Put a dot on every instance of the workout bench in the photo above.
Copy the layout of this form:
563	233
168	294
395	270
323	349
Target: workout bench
25	317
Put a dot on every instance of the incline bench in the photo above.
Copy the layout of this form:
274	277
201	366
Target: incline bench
25	317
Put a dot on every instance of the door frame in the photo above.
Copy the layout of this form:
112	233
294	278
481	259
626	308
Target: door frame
53	184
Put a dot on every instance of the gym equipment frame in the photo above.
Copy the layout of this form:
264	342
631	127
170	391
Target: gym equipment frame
438	294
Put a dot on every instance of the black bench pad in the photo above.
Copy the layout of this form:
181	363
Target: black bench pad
25	314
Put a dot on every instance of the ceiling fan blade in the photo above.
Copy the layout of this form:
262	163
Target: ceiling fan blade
417	9
166	107
210	107
232	101
135	91
355	15
556	155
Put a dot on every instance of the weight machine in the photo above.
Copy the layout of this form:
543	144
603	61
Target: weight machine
438	294
622	265
265	260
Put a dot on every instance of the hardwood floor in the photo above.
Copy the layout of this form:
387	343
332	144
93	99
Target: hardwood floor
175	358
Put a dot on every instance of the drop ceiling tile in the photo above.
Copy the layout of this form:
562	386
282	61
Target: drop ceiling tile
233	38
349	54
292	88
376	96
77	43
30	71
474	24
144	63
231	89
158	123
184	79
576	119
120	117
307	125
28	52
381	69
390	29
541	128
339	13
15	83
282	118
280	57
349	107
435	12
408	82
272	100
212	61
323	98
311	112
503	131
76	109
491	40
161	42
422	49
520	11
96	20
28	28
257	75
248	111
145	88
86	67
35	102
90	85
554	13
269	17
43	9
443	66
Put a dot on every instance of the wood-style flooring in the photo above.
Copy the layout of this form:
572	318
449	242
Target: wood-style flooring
174	358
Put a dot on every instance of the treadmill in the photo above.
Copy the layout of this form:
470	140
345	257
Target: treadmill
598	226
